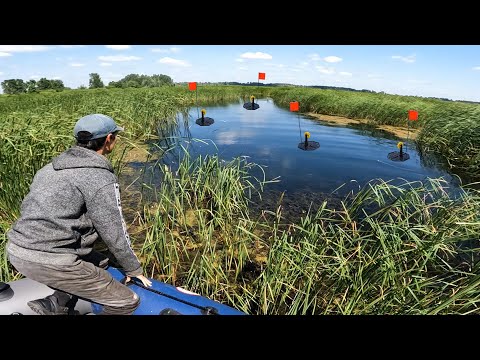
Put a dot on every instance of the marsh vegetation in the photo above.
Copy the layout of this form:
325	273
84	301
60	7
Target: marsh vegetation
388	248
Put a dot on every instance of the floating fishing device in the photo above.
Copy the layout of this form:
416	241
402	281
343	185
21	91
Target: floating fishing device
251	105
399	155
308	145
303	145
204	121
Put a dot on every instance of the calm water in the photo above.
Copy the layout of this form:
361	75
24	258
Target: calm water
270	136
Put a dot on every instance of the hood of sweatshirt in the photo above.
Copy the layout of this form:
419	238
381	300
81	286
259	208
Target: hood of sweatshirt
79	157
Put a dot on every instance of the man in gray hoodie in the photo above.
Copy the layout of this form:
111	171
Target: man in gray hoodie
74	201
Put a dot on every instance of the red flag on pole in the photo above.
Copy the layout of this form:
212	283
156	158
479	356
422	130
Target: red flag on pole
261	76
412	115
294	106
192	86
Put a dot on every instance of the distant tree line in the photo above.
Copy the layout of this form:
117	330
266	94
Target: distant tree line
139	81
19	86
323	87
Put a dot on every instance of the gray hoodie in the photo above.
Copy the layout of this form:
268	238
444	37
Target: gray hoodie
73	201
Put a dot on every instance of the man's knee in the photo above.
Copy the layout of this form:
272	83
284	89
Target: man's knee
135	302
131	304
127	308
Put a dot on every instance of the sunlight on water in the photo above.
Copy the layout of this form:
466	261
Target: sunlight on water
270	136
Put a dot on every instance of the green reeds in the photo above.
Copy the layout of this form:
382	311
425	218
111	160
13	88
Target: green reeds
388	249
195	214
455	136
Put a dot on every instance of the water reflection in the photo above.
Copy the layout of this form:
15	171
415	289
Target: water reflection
348	158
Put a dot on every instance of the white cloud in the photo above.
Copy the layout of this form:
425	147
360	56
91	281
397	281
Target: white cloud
118	47
57	78
345	73
174	62
239	60
3	54
242	68
476	68
118	58
374	76
76	64
332	59
35	77
23	48
257	55
314	57
325	70
1	73
105	64
407	59
166	51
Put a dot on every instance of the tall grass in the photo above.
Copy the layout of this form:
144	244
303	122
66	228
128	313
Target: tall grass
455	136
408	249
388	249
202	199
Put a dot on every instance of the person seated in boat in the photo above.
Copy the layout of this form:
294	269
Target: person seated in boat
74	201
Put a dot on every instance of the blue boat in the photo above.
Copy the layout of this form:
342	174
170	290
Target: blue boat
159	299
166	299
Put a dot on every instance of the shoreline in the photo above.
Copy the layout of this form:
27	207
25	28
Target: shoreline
401	132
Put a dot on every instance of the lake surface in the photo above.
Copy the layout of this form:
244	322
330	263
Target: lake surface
270	135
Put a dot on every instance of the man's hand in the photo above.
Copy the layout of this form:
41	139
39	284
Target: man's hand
146	282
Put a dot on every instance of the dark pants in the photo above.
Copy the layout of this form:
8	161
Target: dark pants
87	279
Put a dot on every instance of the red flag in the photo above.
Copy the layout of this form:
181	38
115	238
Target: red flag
261	76
192	86
294	106
412	115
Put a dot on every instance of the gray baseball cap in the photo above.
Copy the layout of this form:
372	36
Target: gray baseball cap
97	124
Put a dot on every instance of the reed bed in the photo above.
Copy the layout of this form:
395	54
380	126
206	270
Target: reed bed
409	249
455	137
388	249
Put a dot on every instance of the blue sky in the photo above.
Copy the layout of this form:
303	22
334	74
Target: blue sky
444	71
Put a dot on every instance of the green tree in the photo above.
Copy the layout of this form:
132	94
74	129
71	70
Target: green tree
57	85
161	80
43	84
137	81
31	86
95	81
14	86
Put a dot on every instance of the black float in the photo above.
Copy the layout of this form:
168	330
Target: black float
251	105
308	145
204	121
399	155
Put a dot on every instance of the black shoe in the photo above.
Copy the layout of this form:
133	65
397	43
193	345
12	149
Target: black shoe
49	306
